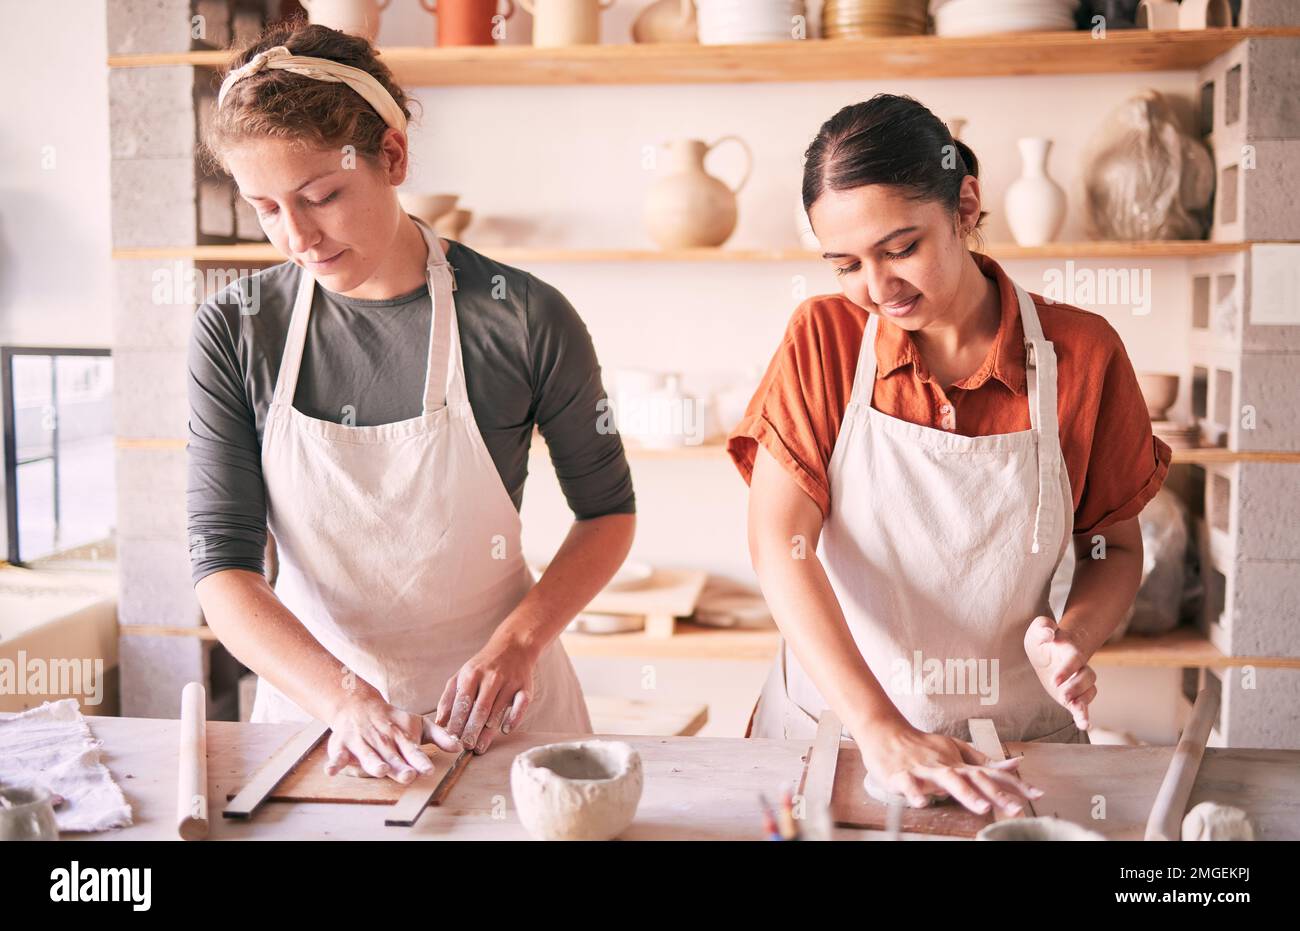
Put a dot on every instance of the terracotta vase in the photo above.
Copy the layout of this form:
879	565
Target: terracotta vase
558	23
1035	204
466	22
666	21
355	17
687	208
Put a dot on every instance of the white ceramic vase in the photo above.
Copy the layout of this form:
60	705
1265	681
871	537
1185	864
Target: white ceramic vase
355	17
1035	204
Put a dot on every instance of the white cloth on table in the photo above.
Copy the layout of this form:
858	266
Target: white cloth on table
51	747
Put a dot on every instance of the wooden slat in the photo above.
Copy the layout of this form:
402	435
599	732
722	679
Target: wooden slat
631	716
274	769
984	737
425	791
823	758
1075	52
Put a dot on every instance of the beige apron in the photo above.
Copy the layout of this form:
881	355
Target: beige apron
399	546
941	550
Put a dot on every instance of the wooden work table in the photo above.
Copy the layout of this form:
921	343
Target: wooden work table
696	788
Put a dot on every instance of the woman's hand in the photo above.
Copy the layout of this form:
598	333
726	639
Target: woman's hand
378	738
917	765
1062	667
489	694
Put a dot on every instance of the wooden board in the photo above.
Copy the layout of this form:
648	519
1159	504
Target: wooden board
611	715
308	782
1107	789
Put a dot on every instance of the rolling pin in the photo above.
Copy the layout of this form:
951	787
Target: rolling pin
1166	820
192	773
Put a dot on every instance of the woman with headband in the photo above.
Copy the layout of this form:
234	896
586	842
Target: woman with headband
371	401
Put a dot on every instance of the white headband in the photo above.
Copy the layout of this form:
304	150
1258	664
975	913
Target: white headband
321	69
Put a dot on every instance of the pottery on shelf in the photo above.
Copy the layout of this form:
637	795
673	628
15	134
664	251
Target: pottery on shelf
559	23
428	207
955	126
666	21
452	223
736	22
1035	204
355	17
1159	390
1204	14
466	22
687	208
581	790
1157	14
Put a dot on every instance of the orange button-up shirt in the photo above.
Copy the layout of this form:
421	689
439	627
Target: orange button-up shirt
1114	462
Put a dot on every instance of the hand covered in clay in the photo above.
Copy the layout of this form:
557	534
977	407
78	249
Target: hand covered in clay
922	767
1062	667
368	736
488	695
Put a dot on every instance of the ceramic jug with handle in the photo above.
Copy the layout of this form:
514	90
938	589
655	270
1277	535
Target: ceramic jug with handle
558	23
666	21
687	208
467	22
355	17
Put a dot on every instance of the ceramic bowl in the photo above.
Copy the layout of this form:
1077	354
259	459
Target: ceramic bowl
1159	390
581	790
1037	829
428	207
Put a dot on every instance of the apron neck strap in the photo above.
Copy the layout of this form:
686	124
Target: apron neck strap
442	329
1040	380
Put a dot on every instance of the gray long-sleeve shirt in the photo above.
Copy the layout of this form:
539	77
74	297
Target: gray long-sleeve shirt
528	361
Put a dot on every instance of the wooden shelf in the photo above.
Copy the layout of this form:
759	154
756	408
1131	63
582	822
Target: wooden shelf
1181	648
690	641
1217	455
1046	53
265	253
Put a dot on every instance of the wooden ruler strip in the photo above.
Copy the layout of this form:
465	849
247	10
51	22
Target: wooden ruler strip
984	736
1166	820
420	794
274	769
823	757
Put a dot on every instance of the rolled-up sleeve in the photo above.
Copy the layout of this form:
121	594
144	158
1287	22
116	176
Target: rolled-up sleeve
225	495
569	406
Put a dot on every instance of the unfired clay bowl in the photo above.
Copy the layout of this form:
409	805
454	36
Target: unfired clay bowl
1037	829
583	790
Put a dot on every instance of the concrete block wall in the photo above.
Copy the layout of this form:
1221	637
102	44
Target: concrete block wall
1244	366
1251	120
160	198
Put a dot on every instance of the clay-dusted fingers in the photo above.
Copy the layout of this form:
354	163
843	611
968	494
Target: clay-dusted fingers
462	707
970	753
435	733
518	707
412	753
337	755
443	714
957	784
1001	790
386	748
480	717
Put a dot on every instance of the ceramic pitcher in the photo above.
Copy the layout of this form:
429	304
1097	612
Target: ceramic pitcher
687	208
666	21
467	22
355	17
565	22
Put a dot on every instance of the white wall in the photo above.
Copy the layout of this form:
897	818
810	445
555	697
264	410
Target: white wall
54	205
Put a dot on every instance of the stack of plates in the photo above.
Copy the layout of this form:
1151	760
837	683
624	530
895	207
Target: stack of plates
863	19
984	17
1177	435
735	22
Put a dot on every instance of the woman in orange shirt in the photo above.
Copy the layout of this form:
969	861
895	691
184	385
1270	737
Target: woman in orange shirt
920	452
